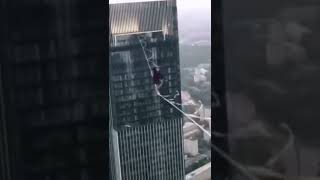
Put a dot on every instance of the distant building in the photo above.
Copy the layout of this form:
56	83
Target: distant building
192	134
206	137
200	75
202	173
189	126
191	160
190	130
189	108
205	113
185	96
191	147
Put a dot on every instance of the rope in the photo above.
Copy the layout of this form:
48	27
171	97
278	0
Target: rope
194	116
204	130
145	55
236	164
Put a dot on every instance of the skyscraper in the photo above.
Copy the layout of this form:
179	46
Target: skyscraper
146	131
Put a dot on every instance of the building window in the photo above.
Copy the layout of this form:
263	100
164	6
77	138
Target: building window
117	85
117	78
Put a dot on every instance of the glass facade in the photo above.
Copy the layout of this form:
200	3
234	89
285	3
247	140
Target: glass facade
135	101
148	132
152	151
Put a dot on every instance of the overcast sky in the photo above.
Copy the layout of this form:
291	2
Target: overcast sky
194	17
183	5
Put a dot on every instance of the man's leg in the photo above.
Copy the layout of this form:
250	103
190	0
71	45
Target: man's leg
157	89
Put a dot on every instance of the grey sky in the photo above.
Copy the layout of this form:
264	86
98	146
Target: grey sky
182	4
194	18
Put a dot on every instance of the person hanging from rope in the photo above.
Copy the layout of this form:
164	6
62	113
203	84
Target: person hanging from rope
157	78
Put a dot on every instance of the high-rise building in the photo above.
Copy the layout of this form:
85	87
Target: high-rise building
53	90
146	130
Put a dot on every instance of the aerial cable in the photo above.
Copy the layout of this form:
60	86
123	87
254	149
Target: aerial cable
194	116
145	55
204	130
236	164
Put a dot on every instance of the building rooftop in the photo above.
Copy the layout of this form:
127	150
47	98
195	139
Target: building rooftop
140	17
188	125
198	171
192	133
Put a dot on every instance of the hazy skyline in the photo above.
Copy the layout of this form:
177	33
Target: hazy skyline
182	4
194	18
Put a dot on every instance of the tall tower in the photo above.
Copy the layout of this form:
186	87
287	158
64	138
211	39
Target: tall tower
146	130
